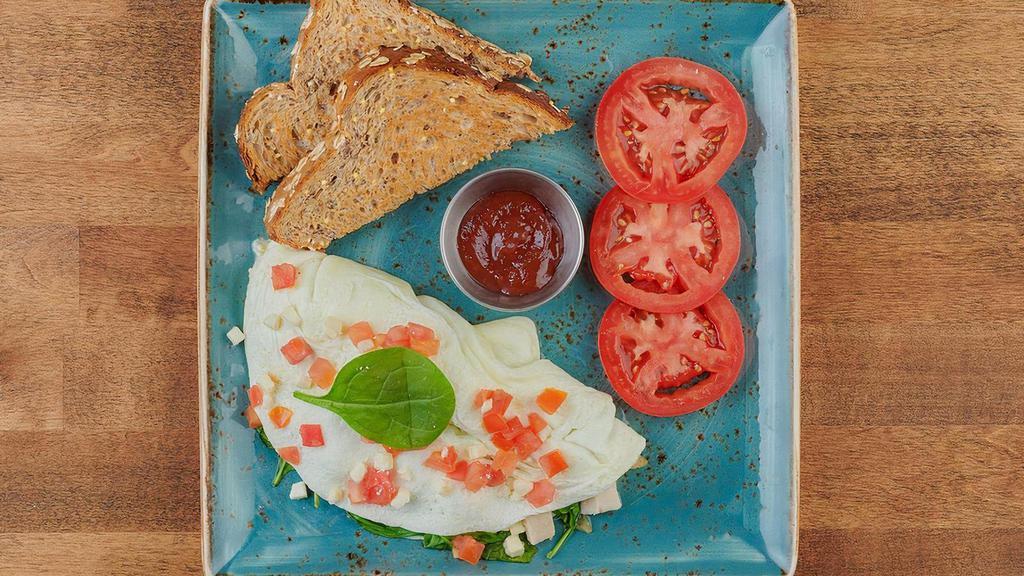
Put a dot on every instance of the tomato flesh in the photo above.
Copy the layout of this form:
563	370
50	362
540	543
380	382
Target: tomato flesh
378	486
296	350
312	435
667	129
442	460
553	463
252	418
283	276
397	336
255	395
291	455
667	364
321	372
467	548
537	423
542	494
550	400
359	331
280	416
664	257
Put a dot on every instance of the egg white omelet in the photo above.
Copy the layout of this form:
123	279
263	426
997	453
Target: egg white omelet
503	354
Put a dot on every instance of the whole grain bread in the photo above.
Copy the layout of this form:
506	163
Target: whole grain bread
407	121
282	122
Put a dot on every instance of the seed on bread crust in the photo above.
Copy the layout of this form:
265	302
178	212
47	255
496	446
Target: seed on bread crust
379	61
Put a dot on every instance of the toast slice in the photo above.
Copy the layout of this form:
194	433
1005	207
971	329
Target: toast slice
282	122
407	121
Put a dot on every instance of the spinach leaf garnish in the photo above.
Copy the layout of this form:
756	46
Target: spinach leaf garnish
394	396
570	519
493	549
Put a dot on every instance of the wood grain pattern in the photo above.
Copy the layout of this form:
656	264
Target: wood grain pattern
913	172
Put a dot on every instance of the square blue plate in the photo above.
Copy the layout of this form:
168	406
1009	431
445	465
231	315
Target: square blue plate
720	493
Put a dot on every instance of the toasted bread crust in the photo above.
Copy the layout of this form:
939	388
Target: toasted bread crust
316	66
387	60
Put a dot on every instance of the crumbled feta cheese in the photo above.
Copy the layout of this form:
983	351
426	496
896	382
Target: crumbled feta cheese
298	491
259	246
604	502
476	451
521	487
486	406
236	335
292	315
305	382
274	381
332	326
365	345
444	452
401	498
640	462
403	474
337	495
513	546
357	472
383	461
584	525
272	321
517	528
539	527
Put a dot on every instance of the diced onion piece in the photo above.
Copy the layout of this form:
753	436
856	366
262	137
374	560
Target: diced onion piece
272	321
358	472
333	326
235	335
513	546
551	399
383	461
291	315
402	497
298	491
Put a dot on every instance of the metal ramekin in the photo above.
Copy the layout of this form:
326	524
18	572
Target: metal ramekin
557	202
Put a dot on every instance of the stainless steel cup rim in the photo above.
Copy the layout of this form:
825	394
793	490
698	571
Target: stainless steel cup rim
554	198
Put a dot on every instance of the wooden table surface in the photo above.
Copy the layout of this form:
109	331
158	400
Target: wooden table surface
913	287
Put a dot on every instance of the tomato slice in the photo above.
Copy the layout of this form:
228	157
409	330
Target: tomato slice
667	129
664	257
667	364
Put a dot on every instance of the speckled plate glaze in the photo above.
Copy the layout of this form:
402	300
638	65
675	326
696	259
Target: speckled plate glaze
720	494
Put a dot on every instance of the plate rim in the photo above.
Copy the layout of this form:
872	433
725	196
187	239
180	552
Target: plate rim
203	325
